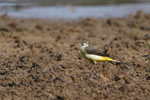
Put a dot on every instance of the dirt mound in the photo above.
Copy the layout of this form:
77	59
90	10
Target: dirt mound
40	59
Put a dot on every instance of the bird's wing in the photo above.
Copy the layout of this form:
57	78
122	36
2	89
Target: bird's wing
91	50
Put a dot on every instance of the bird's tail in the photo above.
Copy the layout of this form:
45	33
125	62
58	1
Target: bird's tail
108	59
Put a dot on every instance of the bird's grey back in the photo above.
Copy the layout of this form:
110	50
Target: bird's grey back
92	50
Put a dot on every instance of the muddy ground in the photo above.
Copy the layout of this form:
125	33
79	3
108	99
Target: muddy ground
40	59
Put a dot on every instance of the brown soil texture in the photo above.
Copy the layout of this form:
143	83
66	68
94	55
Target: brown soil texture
40	59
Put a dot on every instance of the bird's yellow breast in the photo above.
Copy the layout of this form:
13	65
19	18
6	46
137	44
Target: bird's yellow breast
93	57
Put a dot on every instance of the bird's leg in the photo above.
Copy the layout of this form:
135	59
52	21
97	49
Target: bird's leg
94	62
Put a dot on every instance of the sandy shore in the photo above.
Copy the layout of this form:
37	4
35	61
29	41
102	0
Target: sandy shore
40	59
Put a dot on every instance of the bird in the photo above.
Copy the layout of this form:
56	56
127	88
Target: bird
93	54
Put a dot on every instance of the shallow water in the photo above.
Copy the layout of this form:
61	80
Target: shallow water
26	10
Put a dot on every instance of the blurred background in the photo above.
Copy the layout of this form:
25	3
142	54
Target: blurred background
72	9
72	2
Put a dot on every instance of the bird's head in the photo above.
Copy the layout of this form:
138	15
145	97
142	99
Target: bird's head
84	44
82	48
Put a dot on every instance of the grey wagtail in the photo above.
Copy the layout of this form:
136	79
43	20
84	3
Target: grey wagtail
93	54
